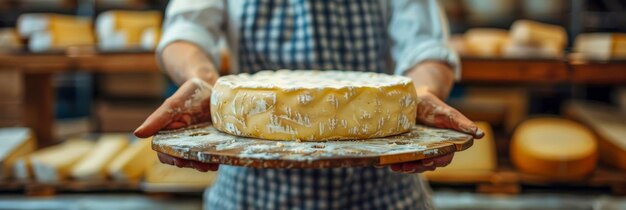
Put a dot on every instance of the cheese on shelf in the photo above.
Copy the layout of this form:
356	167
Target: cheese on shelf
485	41
22	168
479	160
9	39
14	143
601	46
535	33
53	31
313	105
542	50
554	148
609	123
53	164
132	163
118	29
93	166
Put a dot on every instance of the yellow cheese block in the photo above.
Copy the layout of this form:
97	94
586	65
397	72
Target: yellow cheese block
531	33
132	162
123	29
14	143
52	31
480	160
53	164
93	166
313	105
485	41
554	148
602	46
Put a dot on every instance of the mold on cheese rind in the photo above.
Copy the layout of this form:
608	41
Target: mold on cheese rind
313	105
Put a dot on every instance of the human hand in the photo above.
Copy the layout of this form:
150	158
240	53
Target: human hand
433	112
189	105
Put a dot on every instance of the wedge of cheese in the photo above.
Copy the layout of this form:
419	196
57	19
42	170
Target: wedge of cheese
131	164
601	46
93	166
313	105
487	42
14	143
554	148
54	164
475	163
118	29
53	31
609	123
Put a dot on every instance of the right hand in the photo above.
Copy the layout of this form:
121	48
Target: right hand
189	105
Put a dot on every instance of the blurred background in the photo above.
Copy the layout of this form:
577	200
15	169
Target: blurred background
545	79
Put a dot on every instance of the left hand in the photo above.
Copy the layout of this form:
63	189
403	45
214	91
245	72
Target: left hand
432	111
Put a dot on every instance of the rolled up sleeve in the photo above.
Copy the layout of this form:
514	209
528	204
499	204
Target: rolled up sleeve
197	22
419	32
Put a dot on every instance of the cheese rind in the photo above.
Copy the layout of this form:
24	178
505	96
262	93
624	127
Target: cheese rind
93	166
554	148
313	105
131	163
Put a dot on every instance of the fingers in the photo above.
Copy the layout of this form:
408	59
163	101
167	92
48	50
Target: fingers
182	163
434	112
420	166
189	105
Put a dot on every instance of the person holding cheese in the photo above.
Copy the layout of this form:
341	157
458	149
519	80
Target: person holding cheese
403	37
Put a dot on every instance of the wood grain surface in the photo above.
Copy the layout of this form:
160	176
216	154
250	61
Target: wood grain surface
206	144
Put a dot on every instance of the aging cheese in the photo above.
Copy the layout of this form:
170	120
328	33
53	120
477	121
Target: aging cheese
52	31
554	148
602	46
485	41
609	123
93	166
9	39
313	105
118	29
131	163
535	33
14	143
478	160
54	164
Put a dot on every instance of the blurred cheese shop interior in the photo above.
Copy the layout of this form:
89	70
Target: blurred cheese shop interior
544	80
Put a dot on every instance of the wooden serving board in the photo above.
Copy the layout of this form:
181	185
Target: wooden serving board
206	144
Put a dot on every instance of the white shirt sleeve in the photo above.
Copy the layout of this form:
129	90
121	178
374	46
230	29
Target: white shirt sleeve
418	30
199	22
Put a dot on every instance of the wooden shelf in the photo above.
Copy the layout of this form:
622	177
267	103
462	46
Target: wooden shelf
596	72
481	70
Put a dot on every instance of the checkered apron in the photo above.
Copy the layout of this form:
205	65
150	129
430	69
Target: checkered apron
307	34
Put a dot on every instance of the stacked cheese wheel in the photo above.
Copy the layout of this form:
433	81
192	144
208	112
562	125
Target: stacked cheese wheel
554	148
313	105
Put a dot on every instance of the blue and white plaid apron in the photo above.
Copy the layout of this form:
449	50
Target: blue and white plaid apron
306	34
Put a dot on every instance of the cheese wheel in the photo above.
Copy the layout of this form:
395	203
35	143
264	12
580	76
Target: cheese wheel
313	105
119	29
54	31
554	148
485	41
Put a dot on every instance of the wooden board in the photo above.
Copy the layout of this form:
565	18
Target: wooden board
206	144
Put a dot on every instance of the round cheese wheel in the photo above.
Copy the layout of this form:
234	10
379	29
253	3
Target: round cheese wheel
313	105
554	148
